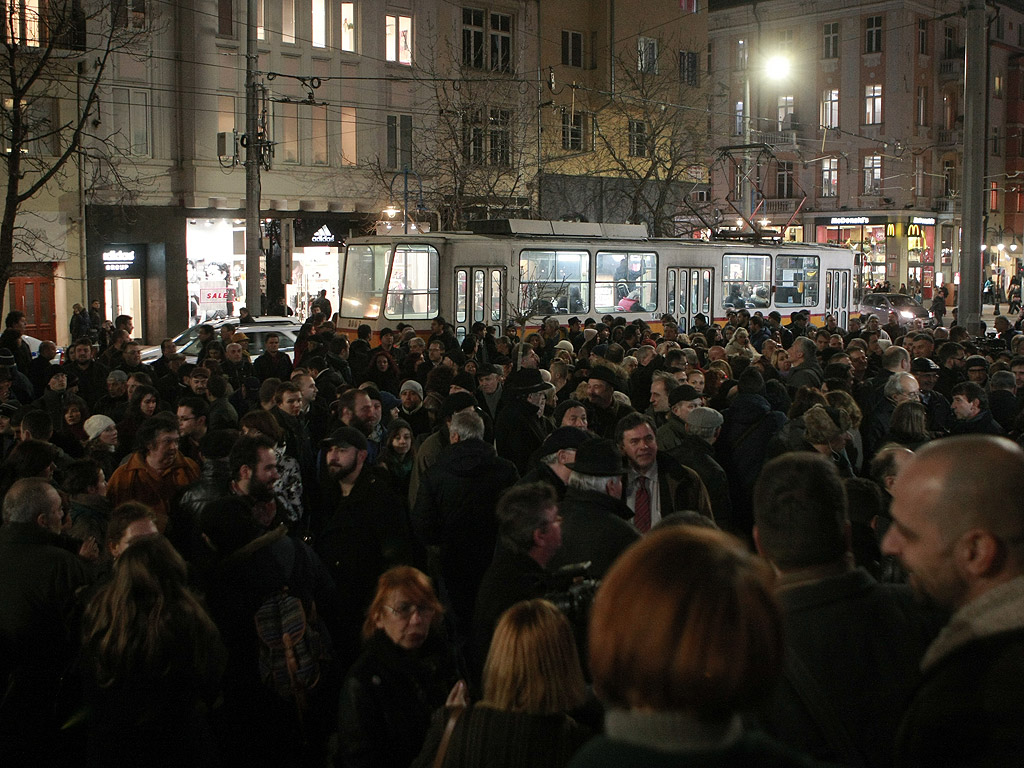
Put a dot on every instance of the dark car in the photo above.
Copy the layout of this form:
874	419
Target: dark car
881	304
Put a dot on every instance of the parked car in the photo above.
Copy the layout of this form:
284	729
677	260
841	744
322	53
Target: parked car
881	304
256	329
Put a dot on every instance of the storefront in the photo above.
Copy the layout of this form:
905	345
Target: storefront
866	236
315	262
921	272
216	268
124	269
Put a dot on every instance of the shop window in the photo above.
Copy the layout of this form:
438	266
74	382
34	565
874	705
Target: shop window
797	280
412	291
554	281
626	282
746	280
398	39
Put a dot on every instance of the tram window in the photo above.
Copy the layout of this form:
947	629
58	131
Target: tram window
706	301
496	294
478	295
670	307
554	282
694	293
460	295
797	281
412	293
626	282
746	280
366	267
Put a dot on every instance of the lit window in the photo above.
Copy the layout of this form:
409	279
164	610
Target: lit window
830	177
348	26
398	39
288	21
830	108
647	55
872	104
873	175
319	31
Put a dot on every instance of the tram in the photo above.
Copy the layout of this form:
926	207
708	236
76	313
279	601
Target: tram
509	268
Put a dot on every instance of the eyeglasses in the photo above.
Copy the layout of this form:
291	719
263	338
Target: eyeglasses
406	610
557	519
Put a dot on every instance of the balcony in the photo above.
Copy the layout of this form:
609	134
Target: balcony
949	137
774	138
946	205
951	69
781	205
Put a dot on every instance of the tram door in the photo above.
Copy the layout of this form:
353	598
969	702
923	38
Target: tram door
837	295
479	298
689	293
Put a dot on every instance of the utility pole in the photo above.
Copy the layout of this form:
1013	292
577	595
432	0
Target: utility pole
975	77
253	160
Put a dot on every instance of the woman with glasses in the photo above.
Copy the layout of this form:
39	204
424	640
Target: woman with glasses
407	670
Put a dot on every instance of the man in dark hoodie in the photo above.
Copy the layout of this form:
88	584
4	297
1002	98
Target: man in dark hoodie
455	510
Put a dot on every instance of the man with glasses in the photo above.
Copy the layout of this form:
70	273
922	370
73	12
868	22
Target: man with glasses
529	535
155	473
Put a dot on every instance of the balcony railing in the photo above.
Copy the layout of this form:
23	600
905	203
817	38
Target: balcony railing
949	137
781	205
947	205
950	69
774	138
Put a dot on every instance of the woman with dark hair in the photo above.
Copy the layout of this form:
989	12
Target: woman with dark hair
31	458
397	454
908	425
71	437
152	661
532	680
685	637
406	671
143	404
383	371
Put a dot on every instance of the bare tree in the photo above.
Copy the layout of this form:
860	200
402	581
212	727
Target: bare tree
475	135
54	58
649	137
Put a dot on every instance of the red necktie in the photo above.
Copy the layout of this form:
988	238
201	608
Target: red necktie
642	506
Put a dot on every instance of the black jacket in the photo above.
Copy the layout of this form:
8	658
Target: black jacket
388	698
699	455
518	432
861	642
594	528
455	510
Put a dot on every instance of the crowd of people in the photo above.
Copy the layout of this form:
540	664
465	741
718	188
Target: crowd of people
754	543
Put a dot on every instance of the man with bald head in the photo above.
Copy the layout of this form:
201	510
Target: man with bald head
958	529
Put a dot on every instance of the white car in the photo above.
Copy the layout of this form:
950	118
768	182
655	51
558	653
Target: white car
256	329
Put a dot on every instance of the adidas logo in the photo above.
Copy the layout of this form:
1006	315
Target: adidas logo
323	235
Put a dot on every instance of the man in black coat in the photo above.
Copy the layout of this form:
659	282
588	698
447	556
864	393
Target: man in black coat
519	429
958	517
594	517
554	457
852	642
603	410
455	511
273	363
39	629
529	535
366	529
692	439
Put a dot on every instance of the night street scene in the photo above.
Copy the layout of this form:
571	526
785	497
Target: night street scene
553	384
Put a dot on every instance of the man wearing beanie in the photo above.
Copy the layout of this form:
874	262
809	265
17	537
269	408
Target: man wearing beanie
412	410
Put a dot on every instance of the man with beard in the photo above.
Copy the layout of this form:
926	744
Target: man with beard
958	529
363	529
253	465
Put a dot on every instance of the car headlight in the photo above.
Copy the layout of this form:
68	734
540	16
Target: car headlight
906	314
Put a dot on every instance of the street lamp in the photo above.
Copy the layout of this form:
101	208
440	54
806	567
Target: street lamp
392	210
776	68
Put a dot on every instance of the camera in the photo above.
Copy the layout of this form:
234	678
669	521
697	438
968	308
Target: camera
572	591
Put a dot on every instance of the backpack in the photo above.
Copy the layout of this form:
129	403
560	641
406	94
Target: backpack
293	650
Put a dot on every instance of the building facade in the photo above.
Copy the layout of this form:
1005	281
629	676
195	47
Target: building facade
857	113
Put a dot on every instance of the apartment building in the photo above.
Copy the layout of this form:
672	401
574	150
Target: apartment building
858	110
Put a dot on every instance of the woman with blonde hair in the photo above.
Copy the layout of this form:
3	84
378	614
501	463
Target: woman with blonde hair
685	637
532	679
406	671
